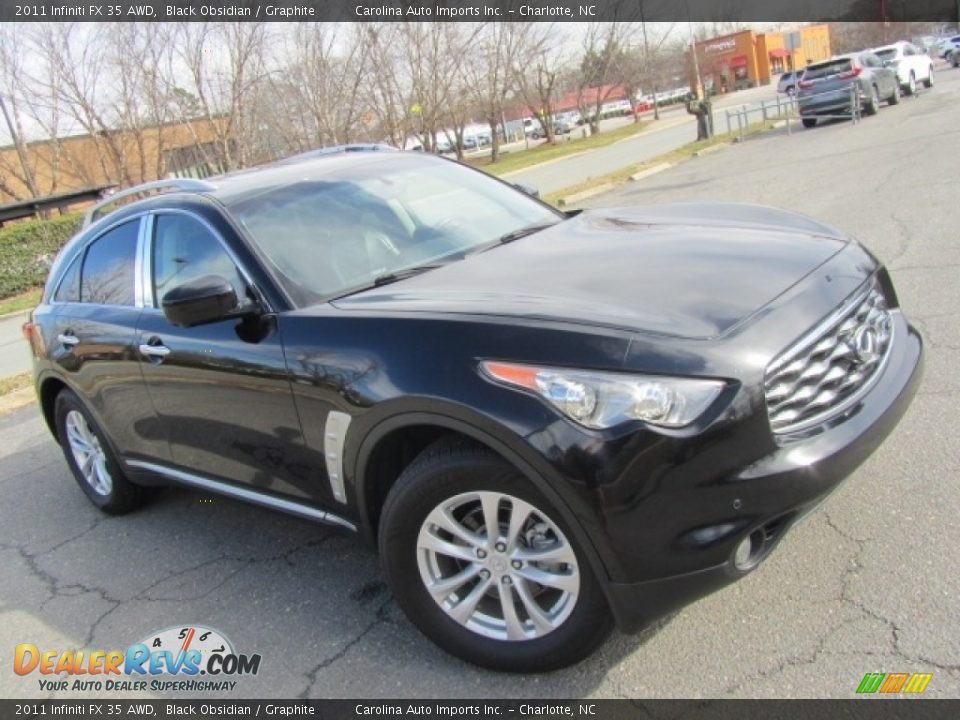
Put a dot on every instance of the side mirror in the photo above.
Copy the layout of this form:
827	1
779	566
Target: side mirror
529	190
204	300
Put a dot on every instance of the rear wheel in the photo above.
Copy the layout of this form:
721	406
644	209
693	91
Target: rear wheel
92	462
482	564
872	106
809	122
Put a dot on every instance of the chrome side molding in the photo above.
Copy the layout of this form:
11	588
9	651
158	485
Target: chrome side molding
291	507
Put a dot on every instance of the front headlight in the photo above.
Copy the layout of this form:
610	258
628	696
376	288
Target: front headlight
601	400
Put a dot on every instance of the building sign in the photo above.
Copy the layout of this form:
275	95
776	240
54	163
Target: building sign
720	46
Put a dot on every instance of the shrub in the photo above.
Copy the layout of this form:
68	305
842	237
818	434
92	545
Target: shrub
28	248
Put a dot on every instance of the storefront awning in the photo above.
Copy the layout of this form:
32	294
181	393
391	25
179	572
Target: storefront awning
738	61
779	53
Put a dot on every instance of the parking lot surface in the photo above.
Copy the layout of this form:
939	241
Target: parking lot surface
868	583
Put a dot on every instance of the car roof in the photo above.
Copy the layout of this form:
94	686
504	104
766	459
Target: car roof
222	187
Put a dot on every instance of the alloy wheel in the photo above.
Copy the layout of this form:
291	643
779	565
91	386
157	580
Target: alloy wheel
88	453
498	566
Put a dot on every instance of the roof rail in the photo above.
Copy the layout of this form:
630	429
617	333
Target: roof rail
102	208
335	149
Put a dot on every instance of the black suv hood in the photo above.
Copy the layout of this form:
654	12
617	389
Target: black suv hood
685	270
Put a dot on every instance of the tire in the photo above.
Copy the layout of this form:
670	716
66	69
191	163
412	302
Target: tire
895	98
453	481
872	106
928	83
96	470
912	84
809	122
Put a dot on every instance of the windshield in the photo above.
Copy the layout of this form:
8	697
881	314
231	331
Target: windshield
337	225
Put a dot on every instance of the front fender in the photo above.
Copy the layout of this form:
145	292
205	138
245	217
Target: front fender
511	446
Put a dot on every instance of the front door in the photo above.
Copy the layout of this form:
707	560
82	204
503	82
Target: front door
221	390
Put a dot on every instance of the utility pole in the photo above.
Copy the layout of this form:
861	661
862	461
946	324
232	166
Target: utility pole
646	62
699	89
21	153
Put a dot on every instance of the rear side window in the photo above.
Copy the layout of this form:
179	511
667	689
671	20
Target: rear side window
69	288
826	69
108	273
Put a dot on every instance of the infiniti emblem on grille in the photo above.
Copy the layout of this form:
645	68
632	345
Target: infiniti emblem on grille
865	345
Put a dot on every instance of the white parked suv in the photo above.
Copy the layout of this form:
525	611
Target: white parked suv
911	64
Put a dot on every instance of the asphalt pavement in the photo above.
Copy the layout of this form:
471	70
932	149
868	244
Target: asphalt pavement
14	351
869	583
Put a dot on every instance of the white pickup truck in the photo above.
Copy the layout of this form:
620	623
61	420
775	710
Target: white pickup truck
911	64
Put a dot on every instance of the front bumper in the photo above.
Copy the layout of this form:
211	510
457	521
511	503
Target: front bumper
765	498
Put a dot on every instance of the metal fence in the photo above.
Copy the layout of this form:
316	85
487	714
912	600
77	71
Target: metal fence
784	107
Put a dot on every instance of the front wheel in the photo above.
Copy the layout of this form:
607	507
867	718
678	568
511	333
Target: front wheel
482	564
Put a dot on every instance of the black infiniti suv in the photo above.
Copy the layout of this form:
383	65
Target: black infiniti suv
547	422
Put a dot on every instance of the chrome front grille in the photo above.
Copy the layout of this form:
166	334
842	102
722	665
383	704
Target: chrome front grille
830	368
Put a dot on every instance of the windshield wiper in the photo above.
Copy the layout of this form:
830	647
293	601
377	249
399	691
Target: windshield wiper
522	232
396	275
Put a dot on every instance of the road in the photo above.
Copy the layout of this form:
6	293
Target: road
14	351
868	583
674	129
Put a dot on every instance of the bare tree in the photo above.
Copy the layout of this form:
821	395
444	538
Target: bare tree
226	62
601	66
538	67
320	98
491	73
10	70
396	114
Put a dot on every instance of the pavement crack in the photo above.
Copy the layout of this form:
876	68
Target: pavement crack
380	617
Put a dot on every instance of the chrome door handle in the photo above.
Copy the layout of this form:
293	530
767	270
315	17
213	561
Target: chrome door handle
68	340
154	351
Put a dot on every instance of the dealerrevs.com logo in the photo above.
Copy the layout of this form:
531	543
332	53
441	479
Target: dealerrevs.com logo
182	658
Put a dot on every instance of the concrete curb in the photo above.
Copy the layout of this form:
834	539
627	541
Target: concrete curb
651	171
584	194
16	400
710	149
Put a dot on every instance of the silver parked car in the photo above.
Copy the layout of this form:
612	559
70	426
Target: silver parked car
825	87
787	85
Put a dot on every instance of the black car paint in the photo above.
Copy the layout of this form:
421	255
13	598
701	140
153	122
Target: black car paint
658	512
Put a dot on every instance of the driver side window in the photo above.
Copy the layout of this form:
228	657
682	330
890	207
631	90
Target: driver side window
184	249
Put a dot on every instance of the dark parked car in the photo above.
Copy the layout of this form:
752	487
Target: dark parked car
546	422
826	87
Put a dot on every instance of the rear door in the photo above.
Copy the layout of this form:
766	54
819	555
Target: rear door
221	390
94	339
